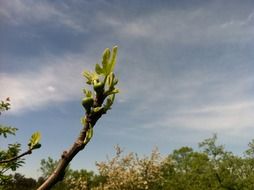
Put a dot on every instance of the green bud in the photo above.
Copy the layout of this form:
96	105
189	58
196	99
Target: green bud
98	87
87	103
37	146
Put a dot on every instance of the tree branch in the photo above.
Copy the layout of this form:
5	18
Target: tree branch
67	156
16	157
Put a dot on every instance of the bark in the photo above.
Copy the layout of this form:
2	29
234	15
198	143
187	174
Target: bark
68	155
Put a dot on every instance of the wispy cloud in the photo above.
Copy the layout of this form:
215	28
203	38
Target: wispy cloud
59	81
18	12
184	26
234	117
194	99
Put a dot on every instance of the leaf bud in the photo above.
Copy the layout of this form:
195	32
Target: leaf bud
87	103
98	87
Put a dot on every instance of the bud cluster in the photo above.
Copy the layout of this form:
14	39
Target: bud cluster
103	82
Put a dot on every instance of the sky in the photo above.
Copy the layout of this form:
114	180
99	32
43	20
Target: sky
185	72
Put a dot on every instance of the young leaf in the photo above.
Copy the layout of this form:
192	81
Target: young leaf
89	134
105	58
112	63
108	79
88	93
87	74
109	102
90	76
34	140
114	91
98	69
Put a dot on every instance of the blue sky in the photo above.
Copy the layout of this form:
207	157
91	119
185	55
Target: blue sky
185	69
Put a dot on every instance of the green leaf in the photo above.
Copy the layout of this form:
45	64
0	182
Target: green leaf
110	80
108	61
112	63
34	140
87	75
89	134
114	91
109	102
105	58
88	93
91	77
98	69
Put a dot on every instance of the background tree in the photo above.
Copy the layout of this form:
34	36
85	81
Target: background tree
10	158
74	179
212	168
129	172
47	168
20	182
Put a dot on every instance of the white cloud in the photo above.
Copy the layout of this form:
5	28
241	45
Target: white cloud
199	25
59	81
192	99
234	116
18	12
51	89
233	119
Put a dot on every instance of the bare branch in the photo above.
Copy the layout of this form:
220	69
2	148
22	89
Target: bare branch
16	157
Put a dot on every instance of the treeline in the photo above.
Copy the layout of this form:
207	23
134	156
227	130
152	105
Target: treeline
212	168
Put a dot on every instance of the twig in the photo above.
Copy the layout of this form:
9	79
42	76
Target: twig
16	157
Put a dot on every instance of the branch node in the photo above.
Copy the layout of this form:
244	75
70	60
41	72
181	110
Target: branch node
64	155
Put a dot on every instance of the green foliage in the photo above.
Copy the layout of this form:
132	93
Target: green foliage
183	169
4	105
47	166
11	151
250	151
212	168
7	131
10	159
211	149
20	182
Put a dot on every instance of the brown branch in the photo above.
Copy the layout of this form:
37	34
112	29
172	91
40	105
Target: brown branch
16	157
67	156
